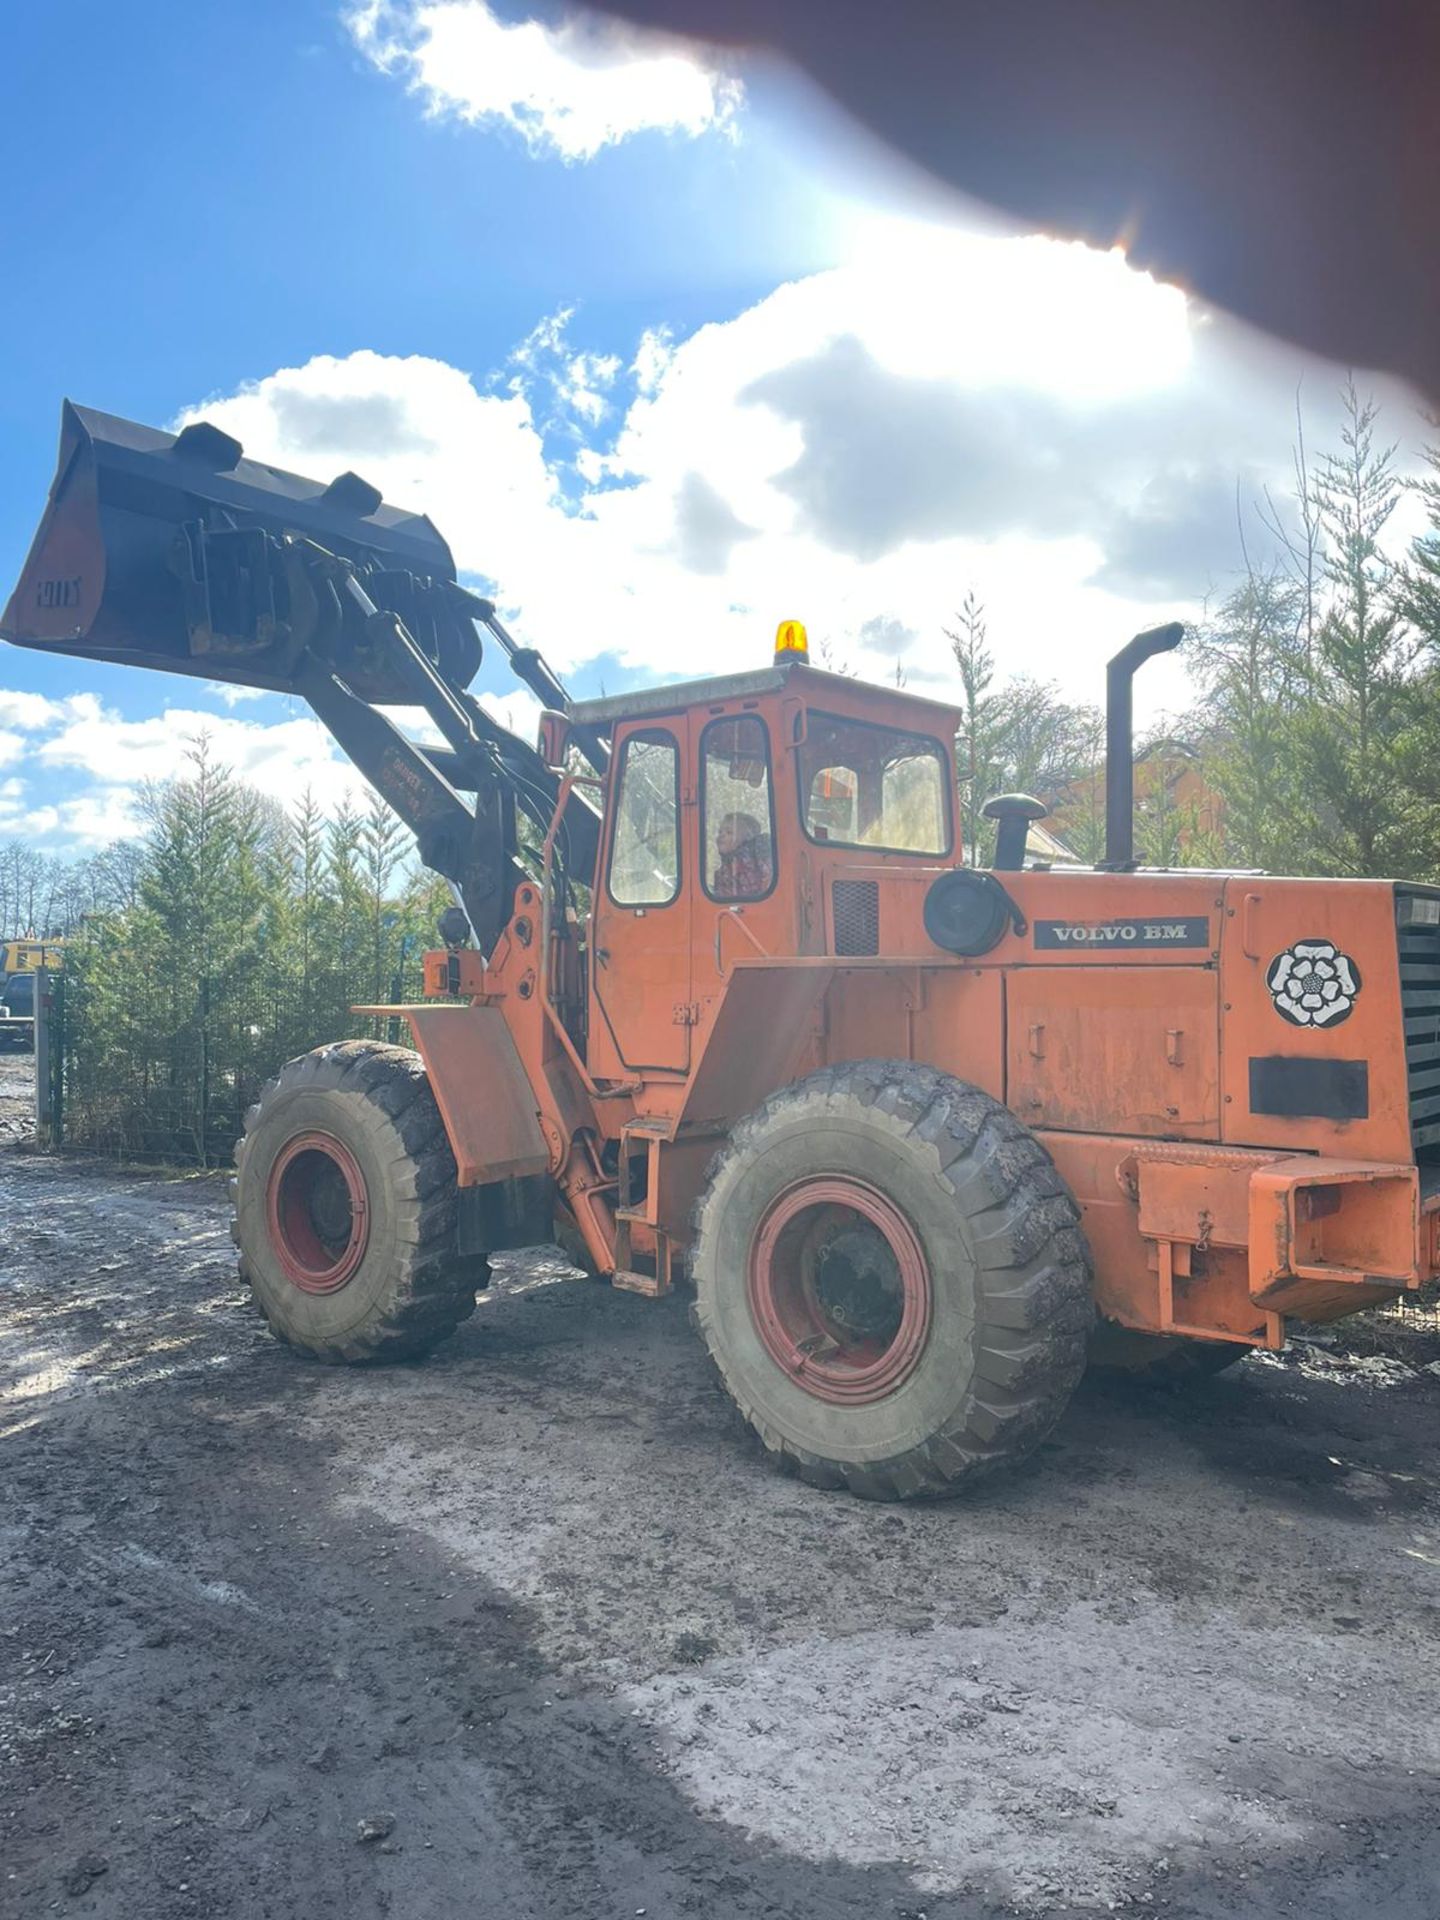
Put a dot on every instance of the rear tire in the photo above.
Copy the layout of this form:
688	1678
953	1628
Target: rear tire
345	1207
891	1279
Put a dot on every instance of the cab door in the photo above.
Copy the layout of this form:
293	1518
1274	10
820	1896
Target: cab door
640	972
734	913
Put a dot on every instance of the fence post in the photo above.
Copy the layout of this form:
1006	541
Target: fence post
48	1058
59	1049
204	1070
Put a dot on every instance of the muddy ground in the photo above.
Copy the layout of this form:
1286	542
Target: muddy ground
532	1631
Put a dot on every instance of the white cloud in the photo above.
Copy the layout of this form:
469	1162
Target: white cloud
90	765
12	811
652	357
117	758
578	382
724	486
857	449
414	427
27	710
947	410
95	819
233	696
571	88
519	711
36	713
284	760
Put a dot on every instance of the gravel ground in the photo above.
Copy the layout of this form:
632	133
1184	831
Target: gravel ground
531	1630
17	1097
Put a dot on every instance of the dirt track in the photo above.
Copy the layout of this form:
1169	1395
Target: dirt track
538	1602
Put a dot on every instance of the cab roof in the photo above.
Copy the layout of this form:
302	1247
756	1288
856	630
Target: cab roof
811	683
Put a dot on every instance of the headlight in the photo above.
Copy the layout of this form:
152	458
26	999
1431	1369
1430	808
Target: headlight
967	911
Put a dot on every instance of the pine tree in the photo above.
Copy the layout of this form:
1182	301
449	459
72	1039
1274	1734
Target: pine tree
1298	533
1356	811
1419	594
309	923
1171	828
1252	660
348	928
380	847
1021	736
203	899
982	726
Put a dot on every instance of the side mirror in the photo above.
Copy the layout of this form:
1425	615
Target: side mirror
554	739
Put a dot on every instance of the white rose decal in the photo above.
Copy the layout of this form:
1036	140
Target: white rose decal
1313	984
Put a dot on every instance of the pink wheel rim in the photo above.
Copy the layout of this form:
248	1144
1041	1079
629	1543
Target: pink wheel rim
318	1212
839	1290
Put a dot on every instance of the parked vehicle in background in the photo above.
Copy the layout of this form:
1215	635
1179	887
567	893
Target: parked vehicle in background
26	954
20	960
17	1013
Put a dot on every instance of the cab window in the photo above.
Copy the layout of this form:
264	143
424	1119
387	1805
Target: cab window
645	852
737	815
869	786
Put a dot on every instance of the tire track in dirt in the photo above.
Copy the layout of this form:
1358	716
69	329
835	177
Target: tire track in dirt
540	1600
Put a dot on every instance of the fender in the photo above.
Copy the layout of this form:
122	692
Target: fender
481	1090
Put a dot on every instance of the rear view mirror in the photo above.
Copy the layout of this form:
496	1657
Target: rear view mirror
554	739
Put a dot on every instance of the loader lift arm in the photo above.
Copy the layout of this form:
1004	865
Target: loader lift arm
175	552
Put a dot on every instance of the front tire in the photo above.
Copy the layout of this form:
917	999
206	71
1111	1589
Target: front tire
345	1207
891	1279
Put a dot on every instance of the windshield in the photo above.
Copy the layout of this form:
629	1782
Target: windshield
867	786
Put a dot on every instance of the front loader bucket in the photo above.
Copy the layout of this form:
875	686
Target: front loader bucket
170	551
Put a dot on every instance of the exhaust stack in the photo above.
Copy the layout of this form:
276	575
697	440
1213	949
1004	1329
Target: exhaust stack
1120	742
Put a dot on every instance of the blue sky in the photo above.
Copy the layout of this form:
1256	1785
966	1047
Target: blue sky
235	187
662	386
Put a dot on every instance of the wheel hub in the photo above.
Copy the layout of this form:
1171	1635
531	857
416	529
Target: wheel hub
857	1284
839	1290
318	1213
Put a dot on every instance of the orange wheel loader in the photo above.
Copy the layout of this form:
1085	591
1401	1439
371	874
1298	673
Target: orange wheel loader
924	1138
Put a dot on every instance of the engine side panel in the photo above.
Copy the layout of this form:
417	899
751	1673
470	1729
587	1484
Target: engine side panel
1115	1049
1313	1039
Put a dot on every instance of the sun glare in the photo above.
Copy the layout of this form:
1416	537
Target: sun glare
990	310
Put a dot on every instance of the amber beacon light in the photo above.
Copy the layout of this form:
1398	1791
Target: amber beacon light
791	641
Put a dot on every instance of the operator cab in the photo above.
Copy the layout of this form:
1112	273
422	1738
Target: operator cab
754	814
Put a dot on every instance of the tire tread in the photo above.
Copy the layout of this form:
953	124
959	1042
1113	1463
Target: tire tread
434	1286
1035	1279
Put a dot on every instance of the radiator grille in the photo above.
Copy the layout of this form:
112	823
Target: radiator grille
1420	1011
855	913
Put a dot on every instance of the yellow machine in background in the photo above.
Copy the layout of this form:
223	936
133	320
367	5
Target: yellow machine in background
20	961
24	956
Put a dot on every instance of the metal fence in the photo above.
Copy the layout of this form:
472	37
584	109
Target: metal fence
181	1098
